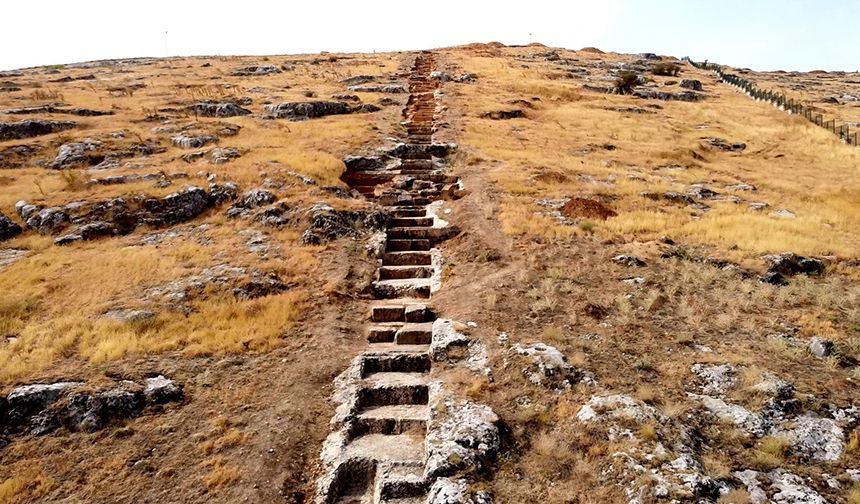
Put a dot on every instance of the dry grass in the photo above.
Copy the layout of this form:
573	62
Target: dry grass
28	483
793	165
220	473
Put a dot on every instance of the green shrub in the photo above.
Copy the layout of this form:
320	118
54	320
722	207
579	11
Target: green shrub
667	69
626	81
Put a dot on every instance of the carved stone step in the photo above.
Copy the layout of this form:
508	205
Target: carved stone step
400	288
407	245
410	258
409	211
411	221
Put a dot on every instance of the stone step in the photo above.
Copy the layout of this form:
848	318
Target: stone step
414	334
407	447
408	245
412	233
401	483
411	258
354	482
411	221
391	393
397	200
411	312
395	348
384	365
401	333
391	420
400	288
409	211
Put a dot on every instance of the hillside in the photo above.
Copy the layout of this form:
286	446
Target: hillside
474	274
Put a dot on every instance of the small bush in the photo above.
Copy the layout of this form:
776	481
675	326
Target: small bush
625	82
667	69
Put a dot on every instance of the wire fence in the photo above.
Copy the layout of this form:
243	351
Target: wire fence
849	135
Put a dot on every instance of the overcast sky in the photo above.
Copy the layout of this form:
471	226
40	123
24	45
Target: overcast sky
761	34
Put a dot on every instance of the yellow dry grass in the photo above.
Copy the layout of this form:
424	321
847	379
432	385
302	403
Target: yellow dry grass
53	299
557	152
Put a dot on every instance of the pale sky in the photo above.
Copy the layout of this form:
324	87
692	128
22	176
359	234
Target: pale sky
761	34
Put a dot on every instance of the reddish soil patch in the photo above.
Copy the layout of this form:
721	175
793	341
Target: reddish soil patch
592	50
583	208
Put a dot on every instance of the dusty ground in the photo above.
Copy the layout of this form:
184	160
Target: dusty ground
257	381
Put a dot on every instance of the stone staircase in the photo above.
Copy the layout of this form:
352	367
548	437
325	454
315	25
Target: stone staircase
376	453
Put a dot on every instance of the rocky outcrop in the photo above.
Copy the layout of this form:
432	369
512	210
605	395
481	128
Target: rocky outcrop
462	436
780	486
256	70
218	110
8	228
193	142
456	491
51	109
629	260
306	110
160	390
656	94
723	145
73	154
120	216
548	367
42	408
693	84
27	129
716	379
790	264
379	88
612	408
503	114
328	224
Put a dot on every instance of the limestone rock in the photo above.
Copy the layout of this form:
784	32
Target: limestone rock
693	84
193	142
257	70
260	286
461	436
790	264
381	88
160	390
548	366
29	128
328	224
89	412
43	220
450	491
821	347
616	407
177	207
358	79
789	488
629	260
723	145
26	401
814	439
224	155
445	337
8	228
734	414
306	110
129	315
716	380
74	154
221	193
218	110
